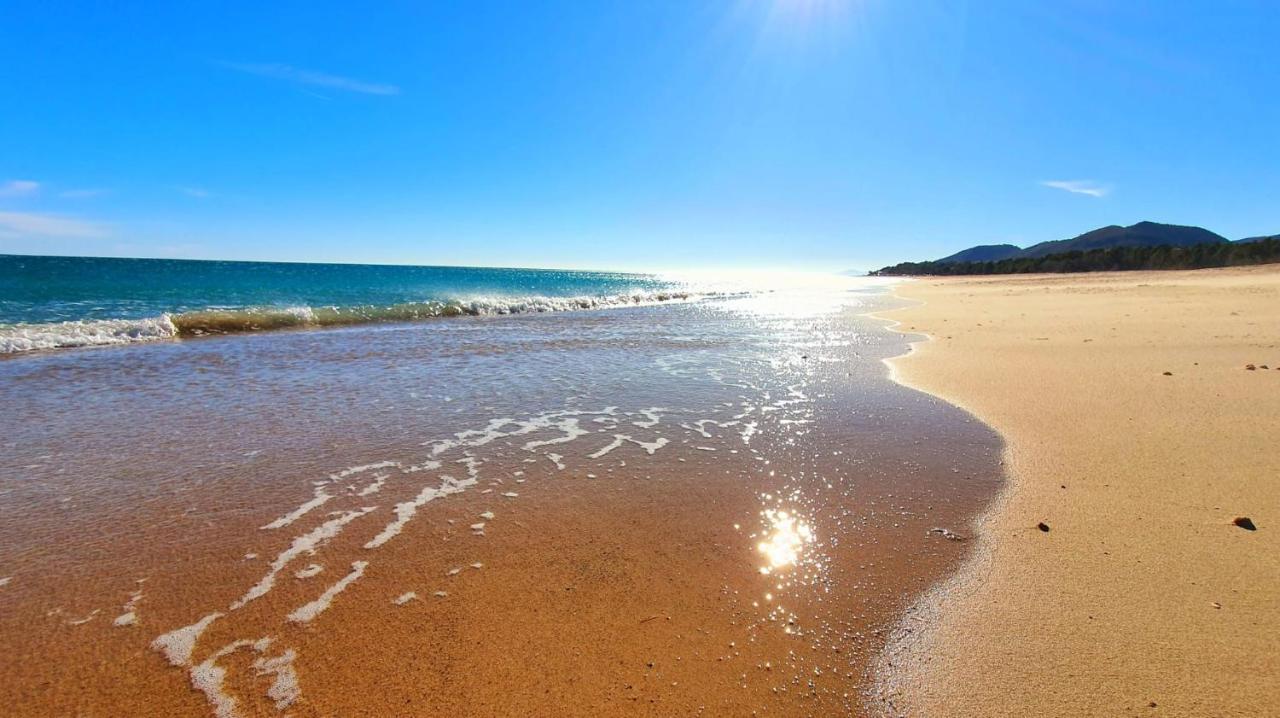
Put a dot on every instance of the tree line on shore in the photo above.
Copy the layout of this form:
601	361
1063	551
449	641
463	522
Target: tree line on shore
1112	259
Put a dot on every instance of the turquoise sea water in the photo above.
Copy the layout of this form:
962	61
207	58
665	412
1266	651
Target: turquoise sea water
51	302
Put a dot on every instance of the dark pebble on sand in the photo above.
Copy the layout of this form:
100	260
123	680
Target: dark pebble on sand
1250	367
1245	523
1043	526
1168	373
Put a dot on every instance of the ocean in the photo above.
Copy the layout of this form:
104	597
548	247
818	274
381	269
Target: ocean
55	302
449	491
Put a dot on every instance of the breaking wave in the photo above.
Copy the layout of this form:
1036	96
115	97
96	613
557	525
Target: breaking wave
102	332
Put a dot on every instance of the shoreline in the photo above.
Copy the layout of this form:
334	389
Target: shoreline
1143	596
908	638
743	518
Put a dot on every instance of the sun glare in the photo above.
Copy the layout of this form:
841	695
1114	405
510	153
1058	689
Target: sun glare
786	539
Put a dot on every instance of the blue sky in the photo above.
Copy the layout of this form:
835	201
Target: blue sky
632	135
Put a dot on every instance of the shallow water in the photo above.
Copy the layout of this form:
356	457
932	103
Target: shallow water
714	505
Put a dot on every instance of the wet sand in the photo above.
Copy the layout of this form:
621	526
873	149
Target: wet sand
1137	434
288	524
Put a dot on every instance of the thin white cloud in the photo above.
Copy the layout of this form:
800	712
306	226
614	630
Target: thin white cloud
197	192
289	73
47	225
82	193
1086	187
19	188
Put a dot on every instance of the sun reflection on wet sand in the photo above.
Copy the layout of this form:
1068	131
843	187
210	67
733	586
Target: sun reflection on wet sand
784	541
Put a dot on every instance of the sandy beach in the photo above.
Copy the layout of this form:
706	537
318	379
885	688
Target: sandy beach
1141	412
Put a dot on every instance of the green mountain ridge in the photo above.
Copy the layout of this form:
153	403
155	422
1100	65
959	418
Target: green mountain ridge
1142	234
1145	245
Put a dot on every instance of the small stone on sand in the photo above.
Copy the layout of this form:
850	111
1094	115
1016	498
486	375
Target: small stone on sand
1043	526
1245	523
947	534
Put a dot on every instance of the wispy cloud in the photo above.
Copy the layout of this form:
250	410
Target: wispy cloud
197	192
47	225
289	73
1086	187
19	188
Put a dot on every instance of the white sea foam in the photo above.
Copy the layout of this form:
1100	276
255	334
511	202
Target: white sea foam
571	431
208	677
375	486
651	417
28	337
618	440
177	645
306	543
650	447
309	571
353	470
130	615
406	510
321	496
308	612
424	466
284	689
404	598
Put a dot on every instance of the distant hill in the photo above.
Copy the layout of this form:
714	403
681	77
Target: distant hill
1142	234
1109	259
1145	245
984	253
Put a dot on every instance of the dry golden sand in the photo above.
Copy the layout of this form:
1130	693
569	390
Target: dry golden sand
1143	598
